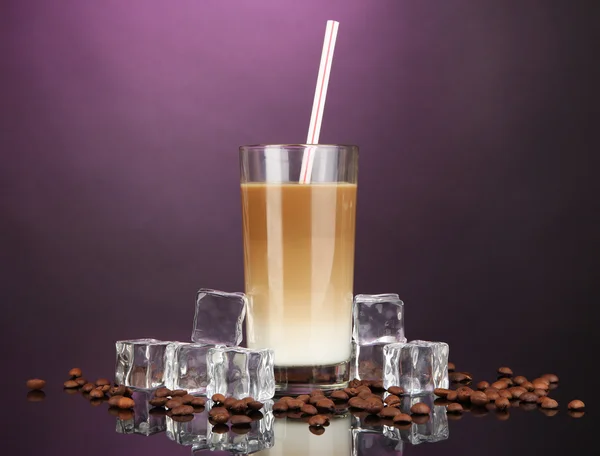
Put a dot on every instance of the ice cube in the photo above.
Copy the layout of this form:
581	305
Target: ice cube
192	432
219	317
418	366
433	430
378	319
367	362
140	363
367	443
143	422
259	437
185	367
241	372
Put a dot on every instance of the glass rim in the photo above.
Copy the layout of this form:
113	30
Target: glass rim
295	146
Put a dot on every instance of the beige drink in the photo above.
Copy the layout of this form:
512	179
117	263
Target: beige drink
299	265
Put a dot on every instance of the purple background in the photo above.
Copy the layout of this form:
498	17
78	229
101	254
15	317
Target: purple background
119	128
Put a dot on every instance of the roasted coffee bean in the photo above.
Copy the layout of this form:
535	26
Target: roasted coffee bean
162	392
120	390
505	393
248	399
228	402
402	418
452	396
549	403
296	404
36	384
187	399
280	406
314	399
389	412
129	392
255	405
576	404
294	415
35	396
366	394
541	379
396	390
528	398
70	384
114	400
516	391
75	372
308	409
455	407
420	408
552	378
157	401
357	402
479	398
351	392
125	403
499	384
519	380
528	386
80	381
377	386
420	419
502	403
220	428
339	395
183	410
316	392
509	381
219	414
505	371
441	392
316	430
354	383
218	398
373	407
540	392
237	420
240	407
392	399
451	367
441	401
492	394
363	388
96	393
318	420
102	382
540	384
255	415
459	377
464	393
198	402
304	398
324	405
104	388
172	403
179	393
483	385
286	398
88	387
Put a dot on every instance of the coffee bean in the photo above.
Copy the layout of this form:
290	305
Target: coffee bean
104	388
125	403
75	372
254	405
451	367
552	378
179	393
479	398
373	407
248	399
162	392
539	384
95	402
363	388
80	381
377	386
316	392
441	401
237	420
172	403
198	402
541	379
304	398
218	398
129	392
502	403
240	407
294	415
576	404
351	392
392	400
357	402
420	408
308	409
183	410
296	404
187	399
460	377
96	393
156	402
70	384
280	406
339	395
549	403
540	392
220	428
114	400
102	382
441	392
35	384
454	408
324	405
228	402
506	393
528	398
120	390
420	419
452	396
576	413
318	420
519	380
316	430
527	385
500	384
219	414
389	412
402	418
464	393
482	385
516	391
508	380
88	387
255	415
505	371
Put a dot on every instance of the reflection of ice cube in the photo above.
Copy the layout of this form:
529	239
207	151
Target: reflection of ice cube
185	367
434	429
219	317
378	319
241	372
142	422
189	432
367	443
417	366
260	436
140	363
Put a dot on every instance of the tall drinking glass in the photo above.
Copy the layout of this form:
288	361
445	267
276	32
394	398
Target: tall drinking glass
299	260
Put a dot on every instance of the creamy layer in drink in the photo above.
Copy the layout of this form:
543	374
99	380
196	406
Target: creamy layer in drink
299	266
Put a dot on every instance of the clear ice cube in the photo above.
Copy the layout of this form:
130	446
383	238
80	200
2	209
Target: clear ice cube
185	367
367	362
260	436
219	317
192	432
418	366
368	443
140	363
433	430
378	319
241	372
143	422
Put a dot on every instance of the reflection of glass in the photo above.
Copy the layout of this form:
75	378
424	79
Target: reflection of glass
429	430
142	422
367	443
188	432
295	439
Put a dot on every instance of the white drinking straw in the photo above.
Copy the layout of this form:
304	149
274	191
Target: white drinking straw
319	102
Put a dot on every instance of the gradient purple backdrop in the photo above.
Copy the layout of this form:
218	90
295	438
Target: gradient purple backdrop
119	198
